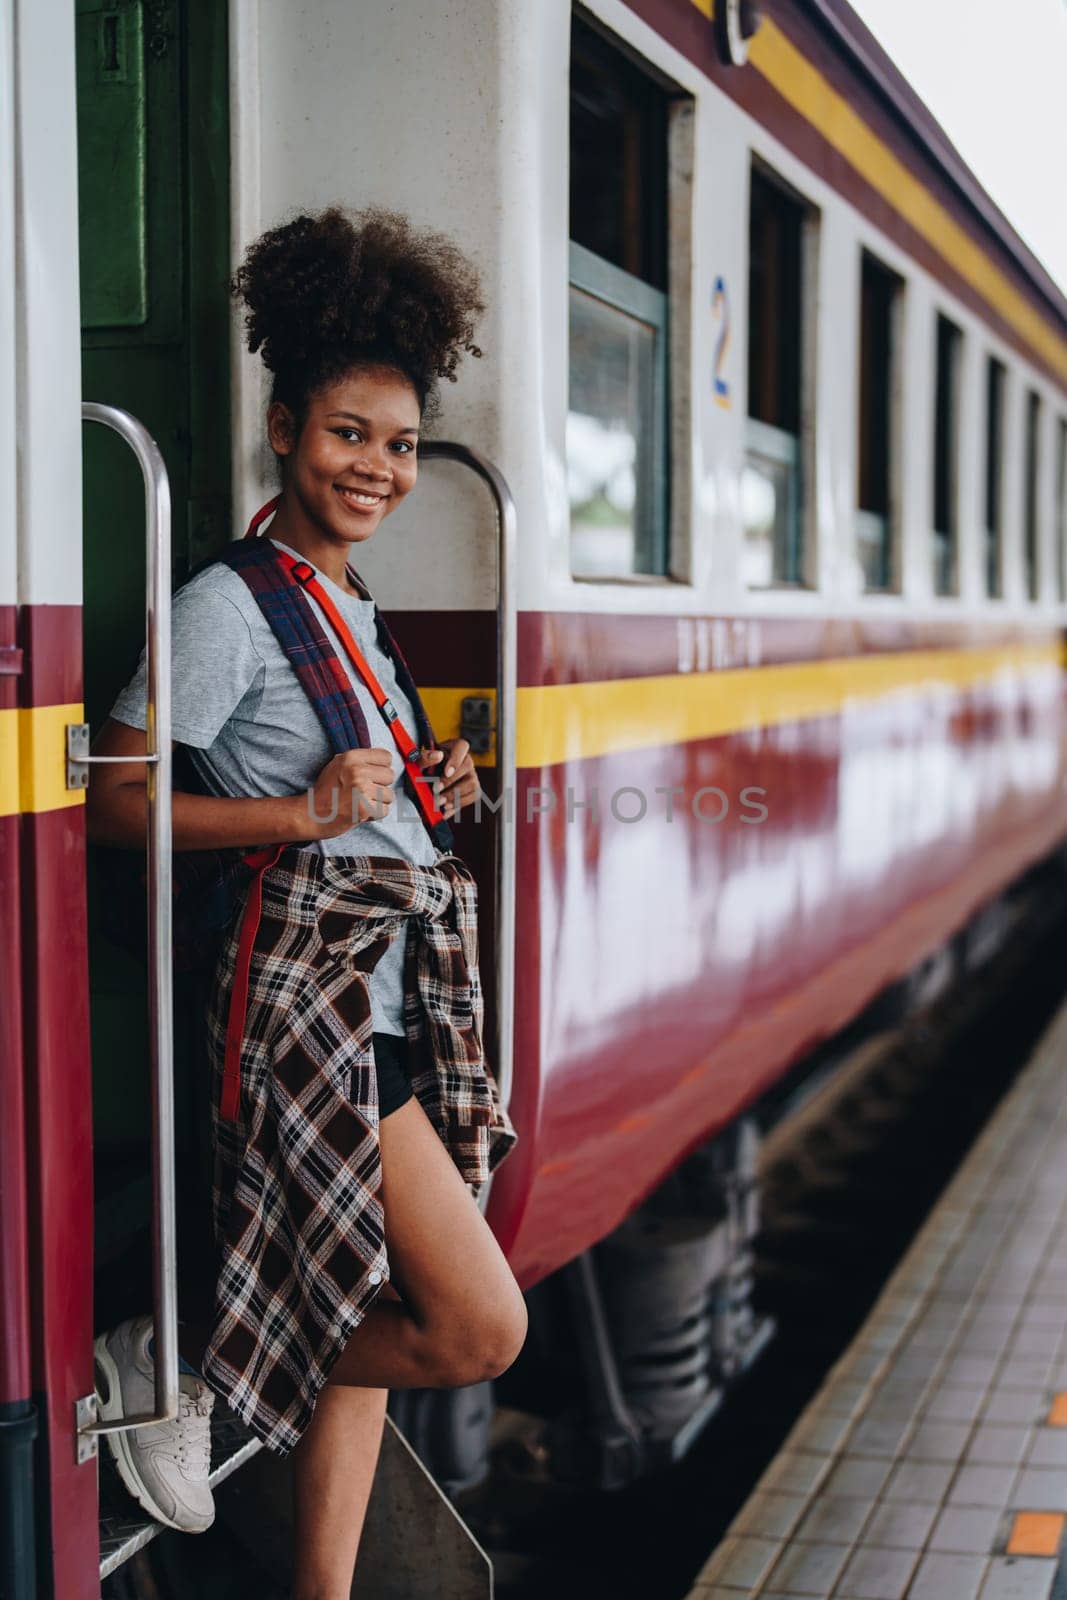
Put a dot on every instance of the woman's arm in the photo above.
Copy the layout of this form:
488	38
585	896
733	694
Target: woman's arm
117	806
349	789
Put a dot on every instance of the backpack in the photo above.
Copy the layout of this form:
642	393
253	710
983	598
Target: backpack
208	885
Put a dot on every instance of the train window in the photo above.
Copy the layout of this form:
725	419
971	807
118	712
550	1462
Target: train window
1061	509
996	378
1030	516
617	416
772	496
949	344
881	296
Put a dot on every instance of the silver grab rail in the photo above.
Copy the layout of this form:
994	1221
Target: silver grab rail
160	941
506	675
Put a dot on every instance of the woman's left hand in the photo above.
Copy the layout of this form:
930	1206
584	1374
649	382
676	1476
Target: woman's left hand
456	773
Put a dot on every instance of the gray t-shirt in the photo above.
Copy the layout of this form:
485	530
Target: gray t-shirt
252	732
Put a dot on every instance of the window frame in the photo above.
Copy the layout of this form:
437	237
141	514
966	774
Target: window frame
604	281
951	463
994	475
1060	519
612	53
763	438
784	449
889	524
1033	417
667	541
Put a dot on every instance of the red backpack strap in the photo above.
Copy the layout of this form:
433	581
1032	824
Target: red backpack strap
261	516
409	750
230	1098
277	580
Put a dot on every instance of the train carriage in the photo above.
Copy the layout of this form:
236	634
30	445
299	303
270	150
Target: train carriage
742	561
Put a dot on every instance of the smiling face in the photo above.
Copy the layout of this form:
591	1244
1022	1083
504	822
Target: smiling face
354	458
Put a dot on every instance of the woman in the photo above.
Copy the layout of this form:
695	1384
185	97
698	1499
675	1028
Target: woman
354	1119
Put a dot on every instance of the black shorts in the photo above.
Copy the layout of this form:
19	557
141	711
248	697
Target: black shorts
390	1061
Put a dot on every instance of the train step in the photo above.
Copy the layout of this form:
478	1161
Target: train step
414	1541
125	1528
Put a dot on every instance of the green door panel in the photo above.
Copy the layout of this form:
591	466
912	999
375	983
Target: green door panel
111	164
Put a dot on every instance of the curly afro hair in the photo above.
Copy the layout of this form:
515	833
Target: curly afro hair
330	291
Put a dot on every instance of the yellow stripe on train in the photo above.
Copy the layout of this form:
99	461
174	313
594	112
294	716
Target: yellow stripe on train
33	759
576	721
9	763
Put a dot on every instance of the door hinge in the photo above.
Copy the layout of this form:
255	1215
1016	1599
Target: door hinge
476	722
77	755
86	1411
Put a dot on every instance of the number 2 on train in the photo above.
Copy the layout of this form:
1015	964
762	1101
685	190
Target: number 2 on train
720	311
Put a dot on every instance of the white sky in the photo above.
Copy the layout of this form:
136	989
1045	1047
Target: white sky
994	74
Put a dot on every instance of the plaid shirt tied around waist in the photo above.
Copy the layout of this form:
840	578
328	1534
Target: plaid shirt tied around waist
298	1216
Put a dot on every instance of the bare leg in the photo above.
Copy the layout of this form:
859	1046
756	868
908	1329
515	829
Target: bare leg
333	1470
461	1318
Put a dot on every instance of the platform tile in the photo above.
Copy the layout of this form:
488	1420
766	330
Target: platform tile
998	1444
922	1481
948	1403
1040	1489
1042	1312
1035	1533
1047	1448
879	1435
1027	1373
997	1315
937	1441
986	1341
769	1515
844	1398
1038	1339
967	1530
983	1486
896	1386
933	1337
974	1370
859	1363
899	1402
899	1525
875	1574
1016	1405
741	1561
948	1577
835	1519
810	1569
796	1471
819	1431
1019	1578
859	1476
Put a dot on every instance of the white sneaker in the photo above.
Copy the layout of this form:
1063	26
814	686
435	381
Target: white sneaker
164	1466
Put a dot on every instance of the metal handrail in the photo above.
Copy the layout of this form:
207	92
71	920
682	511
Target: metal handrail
506	676
158	758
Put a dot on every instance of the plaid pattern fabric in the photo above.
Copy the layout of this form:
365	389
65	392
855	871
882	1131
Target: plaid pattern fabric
298	1215
314	660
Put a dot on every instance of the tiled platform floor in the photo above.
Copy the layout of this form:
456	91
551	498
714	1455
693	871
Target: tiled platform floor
932	1464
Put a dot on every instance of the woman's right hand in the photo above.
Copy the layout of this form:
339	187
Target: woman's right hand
354	787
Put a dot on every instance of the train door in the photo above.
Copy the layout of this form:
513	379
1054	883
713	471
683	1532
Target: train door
153	262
